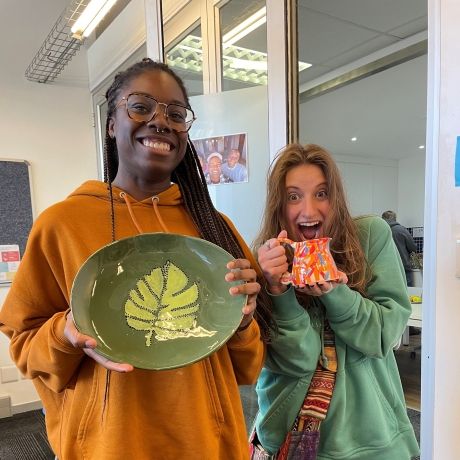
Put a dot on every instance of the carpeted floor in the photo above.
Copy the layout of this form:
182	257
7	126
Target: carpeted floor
23	436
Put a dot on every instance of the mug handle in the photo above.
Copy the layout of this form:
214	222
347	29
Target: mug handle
286	241
286	277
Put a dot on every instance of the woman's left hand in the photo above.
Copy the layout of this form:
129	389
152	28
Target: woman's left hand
324	288
241	270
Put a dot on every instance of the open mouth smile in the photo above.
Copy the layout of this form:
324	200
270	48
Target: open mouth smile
309	230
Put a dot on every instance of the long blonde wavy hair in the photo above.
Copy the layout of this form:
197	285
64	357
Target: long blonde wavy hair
339	226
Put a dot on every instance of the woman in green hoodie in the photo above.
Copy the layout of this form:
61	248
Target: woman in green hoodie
330	387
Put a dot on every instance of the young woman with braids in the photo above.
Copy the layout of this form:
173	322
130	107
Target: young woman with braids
330	387
99	409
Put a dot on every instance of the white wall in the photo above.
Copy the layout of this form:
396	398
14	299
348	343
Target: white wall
375	185
371	183
50	126
411	191
441	316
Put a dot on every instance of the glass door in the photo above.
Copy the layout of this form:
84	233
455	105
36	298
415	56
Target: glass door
362	95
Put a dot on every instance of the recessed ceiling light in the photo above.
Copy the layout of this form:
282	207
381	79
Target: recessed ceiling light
421	147
353	139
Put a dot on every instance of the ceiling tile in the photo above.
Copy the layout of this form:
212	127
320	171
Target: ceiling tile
411	28
360	51
327	36
377	15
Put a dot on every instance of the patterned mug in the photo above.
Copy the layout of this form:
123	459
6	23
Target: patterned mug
312	262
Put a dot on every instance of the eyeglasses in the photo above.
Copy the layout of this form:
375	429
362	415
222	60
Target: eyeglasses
142	109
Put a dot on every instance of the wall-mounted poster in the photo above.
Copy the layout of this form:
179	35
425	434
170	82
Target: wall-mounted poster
224	159
9	262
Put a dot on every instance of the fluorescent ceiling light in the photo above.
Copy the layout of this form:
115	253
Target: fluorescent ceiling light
238	63
353	139
253	64
92	15
421	147
245	27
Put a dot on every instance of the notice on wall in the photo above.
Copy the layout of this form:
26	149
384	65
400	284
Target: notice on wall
9	262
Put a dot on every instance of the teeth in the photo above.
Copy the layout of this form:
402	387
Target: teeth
308	224
156	145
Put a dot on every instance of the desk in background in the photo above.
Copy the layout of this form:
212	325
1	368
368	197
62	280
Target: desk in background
415	320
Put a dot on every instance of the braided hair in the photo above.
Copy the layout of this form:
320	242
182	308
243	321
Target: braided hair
191	181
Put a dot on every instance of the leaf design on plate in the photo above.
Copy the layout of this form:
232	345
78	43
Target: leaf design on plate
165	303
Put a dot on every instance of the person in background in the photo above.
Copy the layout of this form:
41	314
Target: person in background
330	387
233	169
404	242
215	174
98	409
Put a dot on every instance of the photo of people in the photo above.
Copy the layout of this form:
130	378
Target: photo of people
224	159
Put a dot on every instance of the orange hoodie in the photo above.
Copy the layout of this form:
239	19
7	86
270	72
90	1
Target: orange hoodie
192	412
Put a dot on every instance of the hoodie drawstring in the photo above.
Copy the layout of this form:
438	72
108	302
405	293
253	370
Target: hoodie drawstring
323	358
155	201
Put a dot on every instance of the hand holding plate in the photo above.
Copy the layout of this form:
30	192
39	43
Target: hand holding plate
88	345
241	270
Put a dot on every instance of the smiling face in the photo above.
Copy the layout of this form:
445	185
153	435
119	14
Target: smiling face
307	202
214	169
233	158
148	152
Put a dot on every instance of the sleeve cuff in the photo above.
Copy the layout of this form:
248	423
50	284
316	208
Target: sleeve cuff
339	301
57	329
285	305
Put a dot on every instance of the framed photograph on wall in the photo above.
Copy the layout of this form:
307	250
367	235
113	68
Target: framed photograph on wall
224	159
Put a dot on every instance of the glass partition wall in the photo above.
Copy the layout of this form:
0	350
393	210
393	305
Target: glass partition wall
222	57
363	97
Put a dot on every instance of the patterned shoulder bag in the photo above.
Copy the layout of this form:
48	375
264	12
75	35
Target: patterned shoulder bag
302	442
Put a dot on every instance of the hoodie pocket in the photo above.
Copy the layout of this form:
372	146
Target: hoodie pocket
361	415
90	413
213	393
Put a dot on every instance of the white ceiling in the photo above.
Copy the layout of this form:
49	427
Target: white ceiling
24	26
386	111
344	30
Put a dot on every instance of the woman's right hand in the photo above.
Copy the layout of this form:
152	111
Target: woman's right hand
273	262
88	345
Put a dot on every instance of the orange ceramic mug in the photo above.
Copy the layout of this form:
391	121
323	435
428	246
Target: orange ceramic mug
312	262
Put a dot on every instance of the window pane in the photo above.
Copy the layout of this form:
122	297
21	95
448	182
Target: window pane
186	59
364	97
244	44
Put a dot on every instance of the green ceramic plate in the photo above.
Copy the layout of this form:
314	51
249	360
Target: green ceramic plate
157	300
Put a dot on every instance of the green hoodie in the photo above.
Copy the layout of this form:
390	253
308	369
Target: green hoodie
367	418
